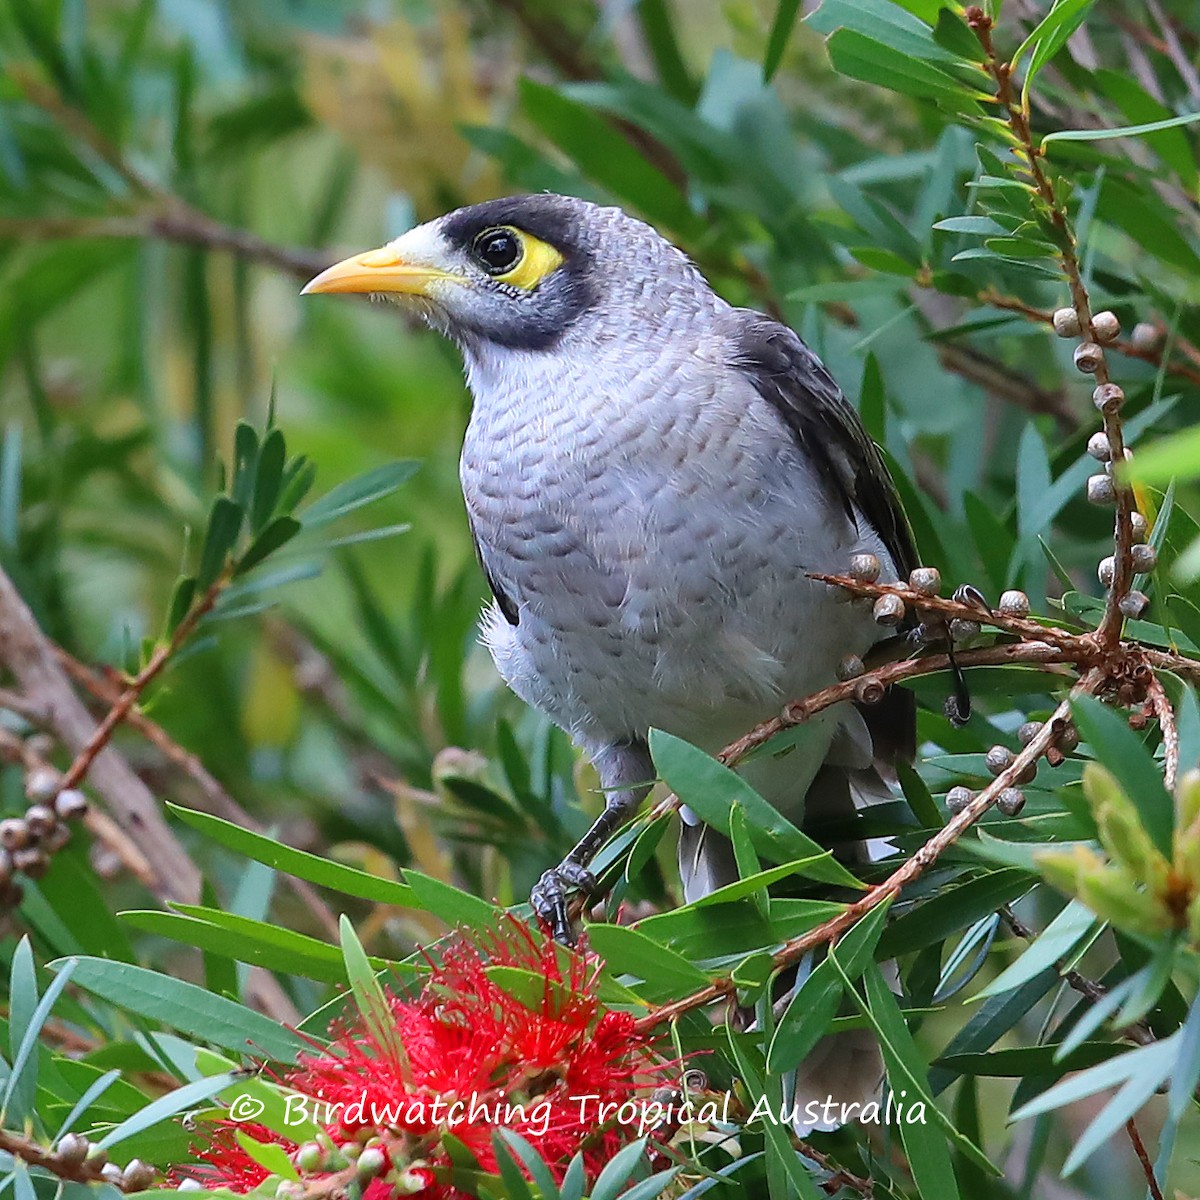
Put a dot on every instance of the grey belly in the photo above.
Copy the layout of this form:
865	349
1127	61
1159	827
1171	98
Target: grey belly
647	604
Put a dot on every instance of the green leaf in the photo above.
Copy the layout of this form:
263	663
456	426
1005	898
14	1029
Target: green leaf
186	1007
1176	456
268	481
357	493
861	57
1050	947
454	906
786	12
1119	749
224	524
295	862
255	942
664	972
21	1085
784	1165
270	1156
928	1152
618	1171
710	790
1100	135
369	998
953	909
1051	34
276	535
182	596
815	1002
167	1106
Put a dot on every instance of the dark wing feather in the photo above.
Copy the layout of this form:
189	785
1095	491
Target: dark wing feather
506	604
794	381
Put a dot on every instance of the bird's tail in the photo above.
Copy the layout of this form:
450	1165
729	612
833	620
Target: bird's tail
844	1068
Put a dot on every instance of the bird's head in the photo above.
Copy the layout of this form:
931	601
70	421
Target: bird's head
526	271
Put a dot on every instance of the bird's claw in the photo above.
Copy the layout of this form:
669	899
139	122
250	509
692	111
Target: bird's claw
549	897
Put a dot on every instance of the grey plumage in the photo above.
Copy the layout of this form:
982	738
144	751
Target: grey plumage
650	476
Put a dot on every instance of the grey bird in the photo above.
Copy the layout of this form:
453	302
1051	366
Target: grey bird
651	475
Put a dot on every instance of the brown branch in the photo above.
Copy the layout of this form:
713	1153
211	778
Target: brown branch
133	693
159	859
218	800
1165	716
35	1155
830	930
1139	1149
1018	121
1139	1032
1149	354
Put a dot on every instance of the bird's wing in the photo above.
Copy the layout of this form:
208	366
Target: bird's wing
794	381
504	602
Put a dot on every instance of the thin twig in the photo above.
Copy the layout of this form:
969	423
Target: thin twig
828	931
1139	1148
1018	121
140	836
1165	715
132	694
218	800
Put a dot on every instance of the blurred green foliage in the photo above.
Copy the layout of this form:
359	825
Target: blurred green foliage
170	173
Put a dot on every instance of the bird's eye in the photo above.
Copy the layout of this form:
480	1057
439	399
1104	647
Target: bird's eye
498	250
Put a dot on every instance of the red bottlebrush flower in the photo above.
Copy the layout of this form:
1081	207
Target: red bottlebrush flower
466	1057
225	1163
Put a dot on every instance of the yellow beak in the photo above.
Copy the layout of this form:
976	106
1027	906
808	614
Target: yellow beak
376	271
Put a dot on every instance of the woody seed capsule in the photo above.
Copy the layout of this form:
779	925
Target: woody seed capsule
1140	526
1134	605
865	567
1028	732
1066	322
1143	557
1088	357
71	1150
40	820
70	804
1106	326
1014	604
1100	490
1068	740
41	784
1011	801
963	631
1107	570
14	833
851	667
30	862
957	798
1098	447
999	758
926	580
1108	398
889	610
138	1175
1144	336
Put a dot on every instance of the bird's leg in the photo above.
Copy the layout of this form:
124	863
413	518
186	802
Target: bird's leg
624	769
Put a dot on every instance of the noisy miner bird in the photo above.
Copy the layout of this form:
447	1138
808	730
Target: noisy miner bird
651	475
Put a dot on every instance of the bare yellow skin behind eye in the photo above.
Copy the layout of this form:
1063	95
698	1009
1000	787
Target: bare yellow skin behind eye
538	259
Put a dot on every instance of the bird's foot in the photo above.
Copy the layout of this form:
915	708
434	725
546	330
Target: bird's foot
549	897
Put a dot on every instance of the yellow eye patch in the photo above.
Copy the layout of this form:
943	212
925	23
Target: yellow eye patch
536	260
